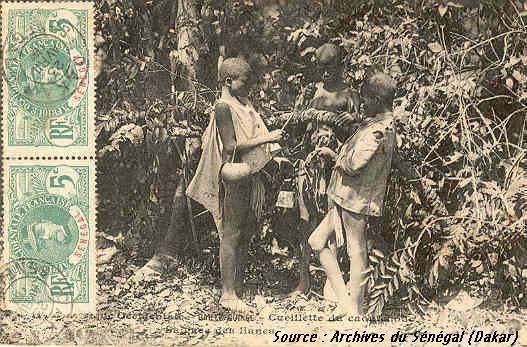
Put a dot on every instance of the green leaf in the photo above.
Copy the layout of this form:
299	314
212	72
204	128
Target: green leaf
455	4
434	274
396	282
518	76
392	269
307	51
366	280
464	182
415	289
378	253
442	9
453	158
395	261
435	47
368	270
390	289
421	309
415	197
411	309
375	294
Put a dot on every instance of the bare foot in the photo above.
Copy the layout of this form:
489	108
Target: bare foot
341	311
235	304
329	293
154	267
338	314
346	311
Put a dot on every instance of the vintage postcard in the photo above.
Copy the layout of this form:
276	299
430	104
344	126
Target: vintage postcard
264	173
48	82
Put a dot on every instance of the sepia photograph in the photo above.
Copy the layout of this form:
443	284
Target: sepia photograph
263	172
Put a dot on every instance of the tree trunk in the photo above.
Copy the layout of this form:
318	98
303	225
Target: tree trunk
185	57
184	68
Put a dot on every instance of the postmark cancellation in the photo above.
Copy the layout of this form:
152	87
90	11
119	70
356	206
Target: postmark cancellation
49	235
48	82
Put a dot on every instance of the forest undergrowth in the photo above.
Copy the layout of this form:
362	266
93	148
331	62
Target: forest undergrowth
457	223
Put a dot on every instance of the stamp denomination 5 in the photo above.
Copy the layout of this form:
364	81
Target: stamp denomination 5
48	101
50	220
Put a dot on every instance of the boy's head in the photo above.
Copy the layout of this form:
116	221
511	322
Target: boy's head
378	92
236	74
329	62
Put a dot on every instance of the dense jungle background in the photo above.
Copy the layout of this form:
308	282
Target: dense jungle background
453	238
461	68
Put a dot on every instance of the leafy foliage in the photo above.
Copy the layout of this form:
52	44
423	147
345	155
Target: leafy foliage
461	67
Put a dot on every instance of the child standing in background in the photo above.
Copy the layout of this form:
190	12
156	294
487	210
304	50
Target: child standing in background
331	94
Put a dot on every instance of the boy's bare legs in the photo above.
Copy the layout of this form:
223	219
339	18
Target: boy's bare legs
249	228
329	293
319	243
236	208
355	225
304	281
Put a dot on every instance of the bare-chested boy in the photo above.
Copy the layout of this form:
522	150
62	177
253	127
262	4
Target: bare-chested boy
236	133
333	95
357	188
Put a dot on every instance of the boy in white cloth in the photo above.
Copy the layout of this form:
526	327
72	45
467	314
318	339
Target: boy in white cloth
357	189
236	133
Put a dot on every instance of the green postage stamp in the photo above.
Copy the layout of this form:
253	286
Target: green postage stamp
49	236
48	84
48	110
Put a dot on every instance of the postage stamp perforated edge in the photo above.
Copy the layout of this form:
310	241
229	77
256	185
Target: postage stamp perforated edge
85	150
64	307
